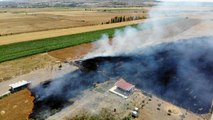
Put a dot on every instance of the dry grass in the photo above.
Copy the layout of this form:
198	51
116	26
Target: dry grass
60	32
24	65
154	107
28	20
150	107
46	22
17	106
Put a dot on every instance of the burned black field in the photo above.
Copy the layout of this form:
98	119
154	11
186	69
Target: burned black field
180	72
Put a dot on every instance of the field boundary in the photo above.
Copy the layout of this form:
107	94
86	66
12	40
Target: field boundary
30	36
27	48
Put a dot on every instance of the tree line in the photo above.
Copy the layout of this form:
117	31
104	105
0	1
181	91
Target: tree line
118	19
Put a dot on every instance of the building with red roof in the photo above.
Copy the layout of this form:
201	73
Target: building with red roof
123	85
122	88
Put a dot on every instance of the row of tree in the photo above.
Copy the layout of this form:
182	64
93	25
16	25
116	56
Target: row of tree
118	19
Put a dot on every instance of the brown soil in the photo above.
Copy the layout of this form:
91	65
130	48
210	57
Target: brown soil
14	21
17	106
59	32
19	25
72	53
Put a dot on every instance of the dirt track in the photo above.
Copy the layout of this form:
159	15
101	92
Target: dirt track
59	32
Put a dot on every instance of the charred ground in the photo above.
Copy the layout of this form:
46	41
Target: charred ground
180	72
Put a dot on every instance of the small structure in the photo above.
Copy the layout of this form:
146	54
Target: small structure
122	88
19	86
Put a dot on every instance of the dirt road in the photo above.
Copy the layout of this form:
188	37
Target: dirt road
38	76
60	32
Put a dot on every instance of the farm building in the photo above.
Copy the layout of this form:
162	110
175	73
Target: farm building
19	86
122	88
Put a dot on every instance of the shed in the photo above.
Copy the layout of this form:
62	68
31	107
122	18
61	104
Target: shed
123	85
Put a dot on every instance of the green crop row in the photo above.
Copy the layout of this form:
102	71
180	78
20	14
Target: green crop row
22	49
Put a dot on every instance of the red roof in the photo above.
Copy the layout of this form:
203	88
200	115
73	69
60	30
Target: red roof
122	84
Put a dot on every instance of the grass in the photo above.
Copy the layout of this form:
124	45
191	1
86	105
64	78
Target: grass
25	65
22	49
99	90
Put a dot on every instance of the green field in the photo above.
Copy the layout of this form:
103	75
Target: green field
22	49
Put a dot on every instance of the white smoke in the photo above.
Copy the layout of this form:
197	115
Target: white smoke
152	31
129	40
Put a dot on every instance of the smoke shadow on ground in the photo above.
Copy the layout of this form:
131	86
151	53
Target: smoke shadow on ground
54	95
180	72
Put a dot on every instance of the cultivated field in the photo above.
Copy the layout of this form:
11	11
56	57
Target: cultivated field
22	49
17	50
60	32
17	106
54	21
14	21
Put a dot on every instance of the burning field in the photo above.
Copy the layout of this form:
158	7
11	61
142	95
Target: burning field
180	72
168	61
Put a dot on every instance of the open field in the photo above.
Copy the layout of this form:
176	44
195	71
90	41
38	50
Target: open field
60	32
14	21
77	52
72	53
49	22
78	3
22	49
17	50
94	99
11	69
17	106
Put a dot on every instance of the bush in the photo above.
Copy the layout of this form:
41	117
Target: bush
127	118
105	114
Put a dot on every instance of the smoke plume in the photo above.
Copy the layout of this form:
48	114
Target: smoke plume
166	20
149	56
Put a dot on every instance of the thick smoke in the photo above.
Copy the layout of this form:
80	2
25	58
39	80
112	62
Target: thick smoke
151	31
180	72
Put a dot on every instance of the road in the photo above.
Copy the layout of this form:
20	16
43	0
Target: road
60	32
38	76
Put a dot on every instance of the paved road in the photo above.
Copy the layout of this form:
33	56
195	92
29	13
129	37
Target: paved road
38	76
